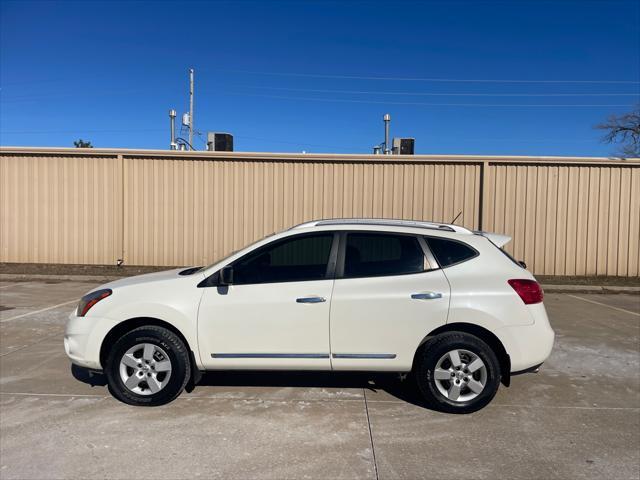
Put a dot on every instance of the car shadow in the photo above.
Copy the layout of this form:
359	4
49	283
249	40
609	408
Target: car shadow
84	375
400	387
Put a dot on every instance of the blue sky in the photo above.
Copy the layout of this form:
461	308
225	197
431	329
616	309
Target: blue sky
462	77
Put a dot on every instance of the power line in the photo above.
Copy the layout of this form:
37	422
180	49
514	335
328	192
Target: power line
200	137
430	94
44	96
29	132
432	79
428	104
353	92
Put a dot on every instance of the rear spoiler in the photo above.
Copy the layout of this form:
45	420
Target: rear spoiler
497	239
500	241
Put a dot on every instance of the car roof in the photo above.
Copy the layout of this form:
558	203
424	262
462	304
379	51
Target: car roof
384	222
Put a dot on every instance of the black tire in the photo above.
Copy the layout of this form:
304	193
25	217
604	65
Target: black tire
176	352
438	347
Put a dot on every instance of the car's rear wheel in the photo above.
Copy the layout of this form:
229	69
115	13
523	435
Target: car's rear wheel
457	373
148	366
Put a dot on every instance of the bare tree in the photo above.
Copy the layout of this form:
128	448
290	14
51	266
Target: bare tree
82	144
625	131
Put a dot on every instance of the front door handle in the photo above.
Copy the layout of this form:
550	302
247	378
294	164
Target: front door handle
311	300
426	296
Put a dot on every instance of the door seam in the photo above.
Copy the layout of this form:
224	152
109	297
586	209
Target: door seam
333	286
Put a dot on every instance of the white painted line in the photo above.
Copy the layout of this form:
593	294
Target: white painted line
37	311
566	407
22	394
604	305
14	285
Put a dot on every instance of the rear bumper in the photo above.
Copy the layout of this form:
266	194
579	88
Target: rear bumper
533	369
528	346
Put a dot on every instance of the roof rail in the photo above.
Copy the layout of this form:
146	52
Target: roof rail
389	222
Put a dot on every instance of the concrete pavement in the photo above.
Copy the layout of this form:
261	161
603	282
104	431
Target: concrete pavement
578	418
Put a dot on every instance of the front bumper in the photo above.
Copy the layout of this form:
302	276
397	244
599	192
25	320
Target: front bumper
83	338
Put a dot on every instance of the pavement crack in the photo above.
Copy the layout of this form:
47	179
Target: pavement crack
373	450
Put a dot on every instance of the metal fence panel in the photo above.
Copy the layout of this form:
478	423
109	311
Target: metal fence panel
60	209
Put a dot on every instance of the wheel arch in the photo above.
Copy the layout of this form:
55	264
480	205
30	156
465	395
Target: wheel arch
128	325
482	333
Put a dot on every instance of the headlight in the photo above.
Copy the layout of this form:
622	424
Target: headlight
90	299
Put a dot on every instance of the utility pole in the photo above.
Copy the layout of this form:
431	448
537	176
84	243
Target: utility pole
191	106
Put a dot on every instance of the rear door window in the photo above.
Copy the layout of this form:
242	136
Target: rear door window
378	254
450	252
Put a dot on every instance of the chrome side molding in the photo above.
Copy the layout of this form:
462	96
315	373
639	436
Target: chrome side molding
306	355
364	355
269	355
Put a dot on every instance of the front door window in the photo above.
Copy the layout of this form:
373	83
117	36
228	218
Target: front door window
299	259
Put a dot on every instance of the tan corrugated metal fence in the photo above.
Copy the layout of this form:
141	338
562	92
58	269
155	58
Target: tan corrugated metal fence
567	219
60	209
567	216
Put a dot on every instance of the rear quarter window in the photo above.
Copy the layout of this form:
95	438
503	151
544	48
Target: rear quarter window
450	252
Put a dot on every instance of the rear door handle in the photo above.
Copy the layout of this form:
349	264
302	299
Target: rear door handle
426	296
311	300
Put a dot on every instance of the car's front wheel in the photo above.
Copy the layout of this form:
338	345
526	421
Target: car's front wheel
457	373
148	366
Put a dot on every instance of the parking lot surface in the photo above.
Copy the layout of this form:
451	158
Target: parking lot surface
579	417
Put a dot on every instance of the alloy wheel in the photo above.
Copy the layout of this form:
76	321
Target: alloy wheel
145	369
460	375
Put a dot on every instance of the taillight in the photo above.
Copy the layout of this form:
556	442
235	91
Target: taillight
90	299
529	291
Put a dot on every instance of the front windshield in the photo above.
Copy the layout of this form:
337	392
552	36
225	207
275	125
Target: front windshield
222	259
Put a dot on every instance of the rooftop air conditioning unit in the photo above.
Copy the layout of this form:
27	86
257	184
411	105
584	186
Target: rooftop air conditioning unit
403	146
219	142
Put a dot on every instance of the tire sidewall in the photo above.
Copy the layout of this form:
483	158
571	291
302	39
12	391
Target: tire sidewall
438	347
176	351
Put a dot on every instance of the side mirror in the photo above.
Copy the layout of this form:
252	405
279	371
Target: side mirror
226	276
522	264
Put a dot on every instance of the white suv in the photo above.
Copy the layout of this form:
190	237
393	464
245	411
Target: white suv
354	294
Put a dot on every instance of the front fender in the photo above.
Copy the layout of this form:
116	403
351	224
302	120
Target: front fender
184	321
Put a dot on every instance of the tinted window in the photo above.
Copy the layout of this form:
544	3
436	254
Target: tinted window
448	252
293	259
373	254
